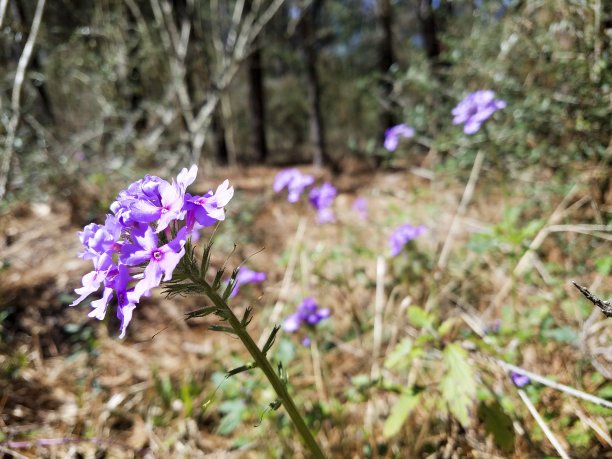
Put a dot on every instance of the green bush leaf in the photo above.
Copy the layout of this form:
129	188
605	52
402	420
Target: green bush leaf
498	423
419	317
400	412
562	334
457	386
400	355
232	418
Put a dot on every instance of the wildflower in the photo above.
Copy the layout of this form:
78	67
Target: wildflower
294	181
161	260
493	326
520	380
308	311
245	276
361	207
126	254
321	199
402	235
393	134
208	209
475	109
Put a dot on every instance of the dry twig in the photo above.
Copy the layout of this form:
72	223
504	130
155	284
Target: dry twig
551	437
605	306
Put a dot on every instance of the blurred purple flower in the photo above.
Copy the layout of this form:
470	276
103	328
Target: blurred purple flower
294	181
520	380
393	134
245	276
321	199
309	312
402	235
325	215
322	196
361	207
306	341
494	326
475	109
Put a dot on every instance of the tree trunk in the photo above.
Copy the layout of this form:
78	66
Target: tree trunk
317	133
256	104
385	61
429	30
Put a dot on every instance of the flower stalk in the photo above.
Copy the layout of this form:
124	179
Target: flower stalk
264	364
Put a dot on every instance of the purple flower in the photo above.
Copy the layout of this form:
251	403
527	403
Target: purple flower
161	260
520	380
245	276
493	327
103	266
125	252
402	235
309	312
321	199
294	181
322	196
393	134
208	209
475	109
361	207
99	239
325	215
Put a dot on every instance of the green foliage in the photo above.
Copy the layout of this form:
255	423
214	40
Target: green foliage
499	424
458	385
233	411
400	412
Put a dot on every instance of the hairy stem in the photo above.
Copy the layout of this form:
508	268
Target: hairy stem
266	367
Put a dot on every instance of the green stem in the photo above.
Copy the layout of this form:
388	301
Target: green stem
266	367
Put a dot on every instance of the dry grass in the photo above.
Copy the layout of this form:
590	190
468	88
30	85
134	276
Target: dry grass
67	378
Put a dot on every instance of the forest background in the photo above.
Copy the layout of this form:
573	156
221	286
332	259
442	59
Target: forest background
94	95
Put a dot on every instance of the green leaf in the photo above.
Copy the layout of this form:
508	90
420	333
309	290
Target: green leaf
446	326
458	386
201	312
400	355
242	368
400	412
561	334
233	409
419	317
270	340
604	264
498	423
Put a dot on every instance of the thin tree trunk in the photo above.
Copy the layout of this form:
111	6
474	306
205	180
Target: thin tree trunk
385	61
22	65
256	104
429	30
317	133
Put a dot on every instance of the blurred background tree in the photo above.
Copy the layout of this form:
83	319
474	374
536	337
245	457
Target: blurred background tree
159	83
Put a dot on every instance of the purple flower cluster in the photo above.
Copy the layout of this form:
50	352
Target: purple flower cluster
246	276
321	198
393	134
402	235
126	249
307	312
361	207
294	181
475	109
